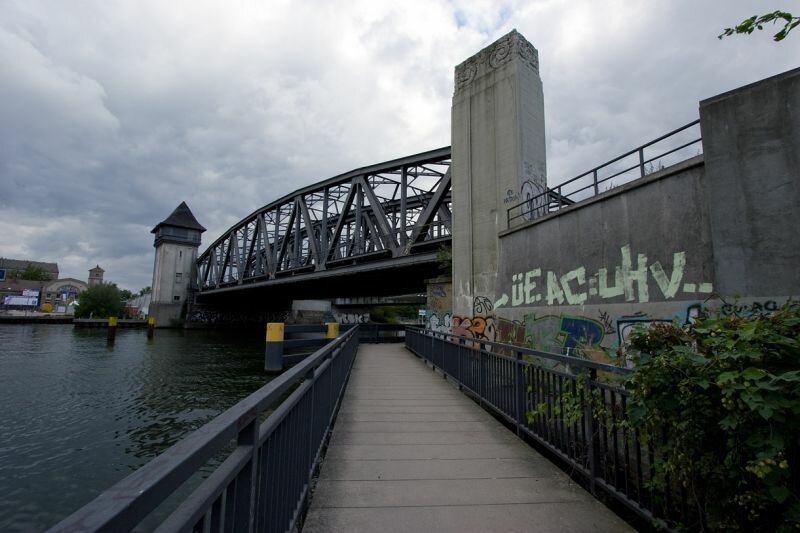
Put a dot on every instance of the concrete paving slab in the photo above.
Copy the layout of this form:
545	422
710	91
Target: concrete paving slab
344	470
588	517
416	417
431	437
404	452
424	492
393	427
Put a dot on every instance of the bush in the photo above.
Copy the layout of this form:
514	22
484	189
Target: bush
724	395
100	301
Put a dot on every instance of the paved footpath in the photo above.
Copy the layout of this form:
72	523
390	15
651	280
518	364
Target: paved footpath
409	452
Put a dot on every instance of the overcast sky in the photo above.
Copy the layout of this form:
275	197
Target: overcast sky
112	113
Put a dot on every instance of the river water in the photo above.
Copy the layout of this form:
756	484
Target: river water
77	415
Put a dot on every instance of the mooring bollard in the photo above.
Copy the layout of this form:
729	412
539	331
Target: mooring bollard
333	330
151	326
273	354
112	328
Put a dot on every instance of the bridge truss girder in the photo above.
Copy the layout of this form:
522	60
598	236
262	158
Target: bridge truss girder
390	210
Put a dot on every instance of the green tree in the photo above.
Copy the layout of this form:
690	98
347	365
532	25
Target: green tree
31	273
145	290
100	301
756	22
125	295
444	259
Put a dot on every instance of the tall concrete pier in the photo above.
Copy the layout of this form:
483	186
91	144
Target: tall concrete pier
498	160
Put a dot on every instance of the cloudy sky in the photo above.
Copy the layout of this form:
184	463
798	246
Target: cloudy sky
113	112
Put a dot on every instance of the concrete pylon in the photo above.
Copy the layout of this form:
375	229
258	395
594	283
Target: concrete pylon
498	150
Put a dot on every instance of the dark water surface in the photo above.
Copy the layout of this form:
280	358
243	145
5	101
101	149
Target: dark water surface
77	415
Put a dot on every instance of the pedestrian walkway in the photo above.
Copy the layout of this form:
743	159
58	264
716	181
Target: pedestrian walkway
410	452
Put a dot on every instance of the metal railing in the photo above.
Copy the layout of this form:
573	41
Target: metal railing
625	168
373	333
263	482
559	402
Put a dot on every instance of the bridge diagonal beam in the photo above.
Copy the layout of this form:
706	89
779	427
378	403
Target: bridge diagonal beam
337	232
426	218
387	235
313	242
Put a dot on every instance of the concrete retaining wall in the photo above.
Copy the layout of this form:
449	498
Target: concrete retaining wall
718	230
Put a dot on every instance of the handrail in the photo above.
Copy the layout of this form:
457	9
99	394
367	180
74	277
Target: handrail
487	345
581	420
240	489
539	205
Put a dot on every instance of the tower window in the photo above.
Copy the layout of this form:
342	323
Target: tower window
178	277
176	298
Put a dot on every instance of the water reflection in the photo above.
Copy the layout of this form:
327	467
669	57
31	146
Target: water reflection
76	415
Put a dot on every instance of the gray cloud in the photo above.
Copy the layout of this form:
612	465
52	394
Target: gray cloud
111	113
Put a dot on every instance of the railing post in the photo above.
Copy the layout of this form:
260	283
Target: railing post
519	391
596	187
459	354
332	331
246	484
481	374
641	162
592	439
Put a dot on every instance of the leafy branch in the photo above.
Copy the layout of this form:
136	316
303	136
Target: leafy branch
749	25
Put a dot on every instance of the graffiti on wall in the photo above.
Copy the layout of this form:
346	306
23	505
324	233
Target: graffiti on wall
563	334
749	309
440	323
535	204
352	318
476	327
578	287
600	339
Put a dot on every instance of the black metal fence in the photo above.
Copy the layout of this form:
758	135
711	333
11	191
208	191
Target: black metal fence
263	482
673	147
372	333
560	402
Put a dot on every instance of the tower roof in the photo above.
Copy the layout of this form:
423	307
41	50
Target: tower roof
182	217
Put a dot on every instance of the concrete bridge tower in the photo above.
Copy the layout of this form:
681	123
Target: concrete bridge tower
176	243
498	160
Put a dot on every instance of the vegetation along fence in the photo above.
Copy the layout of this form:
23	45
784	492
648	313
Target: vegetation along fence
263	481
561	403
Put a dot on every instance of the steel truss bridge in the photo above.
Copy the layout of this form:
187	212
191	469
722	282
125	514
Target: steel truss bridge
353	229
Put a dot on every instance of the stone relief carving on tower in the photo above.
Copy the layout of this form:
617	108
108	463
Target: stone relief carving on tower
495	56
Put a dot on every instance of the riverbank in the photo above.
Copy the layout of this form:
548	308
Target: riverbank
34	319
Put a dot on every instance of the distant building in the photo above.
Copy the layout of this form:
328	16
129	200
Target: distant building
60	295
96	276
9	267
54	295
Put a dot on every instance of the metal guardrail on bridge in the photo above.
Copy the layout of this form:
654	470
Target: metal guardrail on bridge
264	481
625	168
559	402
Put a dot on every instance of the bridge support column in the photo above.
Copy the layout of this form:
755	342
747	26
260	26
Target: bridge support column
273	354
498	160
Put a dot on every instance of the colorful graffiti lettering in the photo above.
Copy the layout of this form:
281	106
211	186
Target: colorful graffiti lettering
476	327
563	334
